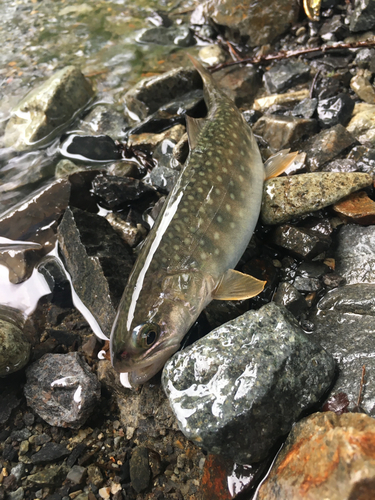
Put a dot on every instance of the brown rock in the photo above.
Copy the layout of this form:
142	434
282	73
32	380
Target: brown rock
149	141
358	208
326	456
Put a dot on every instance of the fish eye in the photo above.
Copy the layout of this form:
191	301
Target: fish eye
146	334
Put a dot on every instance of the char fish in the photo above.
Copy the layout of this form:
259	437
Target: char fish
203	229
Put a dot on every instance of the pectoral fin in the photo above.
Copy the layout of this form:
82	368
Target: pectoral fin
194	126
278	163
237	286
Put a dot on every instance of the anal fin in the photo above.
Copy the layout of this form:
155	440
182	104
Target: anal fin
278	163
237	286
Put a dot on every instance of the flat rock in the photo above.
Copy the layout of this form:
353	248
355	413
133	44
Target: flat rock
224	406
286	198
256	23
98	261
14	348
152	93
115	191
363	88
285	74
334	110
282	131
300	242
362	124
43	112
239	83
140	472
357	208
355	255
263	103
325	456
62	390
344	325
50	452
363	16
182	36
151	141
326	145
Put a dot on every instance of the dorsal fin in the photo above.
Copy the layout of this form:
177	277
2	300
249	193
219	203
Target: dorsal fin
194	126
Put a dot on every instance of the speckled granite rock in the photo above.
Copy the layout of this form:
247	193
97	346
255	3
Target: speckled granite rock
42	113
240	388
62	390
286	198
14	348
325	456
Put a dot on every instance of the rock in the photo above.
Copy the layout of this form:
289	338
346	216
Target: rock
357	208
14	348
306	108
51	452
34	220
152	93
325	456
132	234
52	476
286	198
334	26
62	390
42	113
224	406
181	36
151	141
96	148
334	110
77	475
364	158
301	242
343	165
363	16
212	55
287	295
239	83
55	275
104	120
284	75
363	88
326	145
164	178
364	57
248	22
140	473
66	167
282	131
18	494
362	124
263	103
8	402
93	254
344	325
117	192
355	256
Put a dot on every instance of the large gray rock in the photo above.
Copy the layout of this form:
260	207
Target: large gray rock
43	112
239	389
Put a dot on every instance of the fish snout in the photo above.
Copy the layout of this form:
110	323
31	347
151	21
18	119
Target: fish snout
122	360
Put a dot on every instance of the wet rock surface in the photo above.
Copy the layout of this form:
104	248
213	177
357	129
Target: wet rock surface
225	407
62	390
322	452
14	350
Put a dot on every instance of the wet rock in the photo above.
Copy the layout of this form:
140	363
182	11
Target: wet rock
174	35
152	93
364	158
282	131
300	242
325	456
363	88
90	148
287	295
51	452
62	390
344	325
14	348
35	221
326	145
224	407
66	167
284	75
126	168
343	165
140	473
263	103
334	26
363	57
53	476
362	124
77	474
286	198
239	83
116	191
355	257
93	254
42	113
103	120
306	108
8	402
164	178
357	208
151	141
212	55
55	276
130	232
248	22
334	110
363	16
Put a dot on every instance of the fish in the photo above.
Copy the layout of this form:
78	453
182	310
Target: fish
188	258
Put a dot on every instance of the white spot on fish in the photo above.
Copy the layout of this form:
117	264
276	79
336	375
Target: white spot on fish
217	191
219	178
228	207
219	219
232	225
216	235
217	251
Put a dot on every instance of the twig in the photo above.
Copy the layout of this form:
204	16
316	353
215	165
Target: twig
286	54
361	385
313	84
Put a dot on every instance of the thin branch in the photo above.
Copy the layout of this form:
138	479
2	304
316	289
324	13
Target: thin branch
286	54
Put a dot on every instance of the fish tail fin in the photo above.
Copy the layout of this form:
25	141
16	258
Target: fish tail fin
205	75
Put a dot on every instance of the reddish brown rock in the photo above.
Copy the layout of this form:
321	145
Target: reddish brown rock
358	208
325	456
214	478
